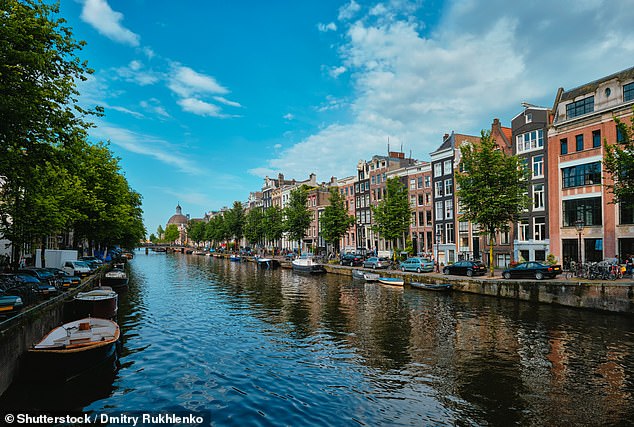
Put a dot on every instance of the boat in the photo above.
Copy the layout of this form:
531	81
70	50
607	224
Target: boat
394	281
307	264
364	275
235	258
267	263
72	349
102	302
443	287
116	278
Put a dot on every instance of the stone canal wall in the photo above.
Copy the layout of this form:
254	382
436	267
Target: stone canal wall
19	333
617	296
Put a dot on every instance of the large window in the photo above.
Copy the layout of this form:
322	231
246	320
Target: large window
450	233
579	140
539	231
577	176
448	187
538	166
438	189
626	213
439	214
533	140
628	92
448	209
563	144
437	169
580	107
588	210
596	138
538	197
448	168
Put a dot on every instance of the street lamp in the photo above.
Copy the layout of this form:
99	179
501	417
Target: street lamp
579	224
437	253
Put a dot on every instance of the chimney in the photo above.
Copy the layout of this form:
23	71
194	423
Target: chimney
280	177
444	138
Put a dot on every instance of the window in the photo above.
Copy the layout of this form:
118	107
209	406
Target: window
523	231
367	200
448	167
532	140
428	216
427	198
628	92
373	179
524	167
438	192
538	197
421	218
538	166
563	144
421	200
529	117
577	176
439	214
413	219
539	229
448	209
504	237
412	184
412	201
437	169
420	182
588	210
356	188
579	139
450	233
580	107
427	181
448	187
619	135
439	233
367	186
596	138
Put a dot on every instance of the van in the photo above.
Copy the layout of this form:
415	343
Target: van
417	264
76	268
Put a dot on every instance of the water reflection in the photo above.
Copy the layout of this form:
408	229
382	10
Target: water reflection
274	348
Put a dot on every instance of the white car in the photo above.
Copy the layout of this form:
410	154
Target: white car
76	268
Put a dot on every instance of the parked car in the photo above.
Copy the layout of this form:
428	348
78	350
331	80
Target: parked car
42	289
11	285
352	260
530	270
76	268
417	264
92	259
465	268
376	262
64	279
42	274
10	304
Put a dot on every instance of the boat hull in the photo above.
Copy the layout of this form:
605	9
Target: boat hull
268	263
444	287
103	305
363	275
391	281
309	269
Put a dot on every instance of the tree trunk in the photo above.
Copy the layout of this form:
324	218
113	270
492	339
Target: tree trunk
43	250
491	240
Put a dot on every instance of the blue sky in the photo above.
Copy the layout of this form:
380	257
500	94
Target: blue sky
205	98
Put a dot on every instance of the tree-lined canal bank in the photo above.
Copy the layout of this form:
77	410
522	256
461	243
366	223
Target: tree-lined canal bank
266	347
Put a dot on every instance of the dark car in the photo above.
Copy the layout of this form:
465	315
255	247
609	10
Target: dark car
43	289
352	260
465	268
376	262
64	279
11	285
9	304
532	270
42	274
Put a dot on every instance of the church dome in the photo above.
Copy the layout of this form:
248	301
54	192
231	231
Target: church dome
178	218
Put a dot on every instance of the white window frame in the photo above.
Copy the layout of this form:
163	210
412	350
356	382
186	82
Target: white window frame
539	165
538	198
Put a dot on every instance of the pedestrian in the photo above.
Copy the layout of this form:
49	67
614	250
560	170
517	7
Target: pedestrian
629	265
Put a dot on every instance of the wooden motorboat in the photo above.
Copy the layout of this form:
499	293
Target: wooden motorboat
394	281
117	279
443	287
267	263
72	349
101	302
364	275
307	264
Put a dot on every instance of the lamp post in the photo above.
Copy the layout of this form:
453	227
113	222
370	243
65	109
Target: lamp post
579	224
437	252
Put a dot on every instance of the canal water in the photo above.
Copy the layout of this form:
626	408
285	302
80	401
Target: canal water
272	348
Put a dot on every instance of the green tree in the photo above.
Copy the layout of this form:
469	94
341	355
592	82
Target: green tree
335	220
196	231
235	219
254	226
492	187
160	232
619	163
274	224
216	230
392	215
172	233
153	238
297	214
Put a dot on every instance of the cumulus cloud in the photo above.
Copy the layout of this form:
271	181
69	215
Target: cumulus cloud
107	22
288	116
337	71
186	82
413	83
201	108
324	28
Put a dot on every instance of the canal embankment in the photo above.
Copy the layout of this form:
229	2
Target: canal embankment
20	332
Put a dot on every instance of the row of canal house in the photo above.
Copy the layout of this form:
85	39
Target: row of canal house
571	213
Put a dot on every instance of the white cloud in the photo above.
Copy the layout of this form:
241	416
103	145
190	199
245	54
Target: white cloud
327	27
135	72
186	82
226	101
154	105
335	72
107	22
201	108
288	116
413	83
147	145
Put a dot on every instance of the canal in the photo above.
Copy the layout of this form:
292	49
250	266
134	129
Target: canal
253	347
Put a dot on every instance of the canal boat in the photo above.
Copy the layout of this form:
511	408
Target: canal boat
73	349
235	258
394	281
364	275
307	264
267	263
116	278
102	302
439	287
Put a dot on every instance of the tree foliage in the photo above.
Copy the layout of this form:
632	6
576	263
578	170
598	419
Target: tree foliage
392	215
171	233
335	220
235	219
619	163
297	215
491	187
274	226
196	231
254	226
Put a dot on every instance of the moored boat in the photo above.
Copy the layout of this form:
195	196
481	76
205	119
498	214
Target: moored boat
364	275
442	287
235	258
117	279
101	302
267	263
307	264
72	349
394	281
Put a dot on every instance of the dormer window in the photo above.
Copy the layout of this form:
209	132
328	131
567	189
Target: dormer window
628	92
529	117
578	108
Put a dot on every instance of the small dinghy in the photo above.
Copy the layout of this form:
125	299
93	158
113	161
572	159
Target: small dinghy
364	275
394	281
102	302
442	287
